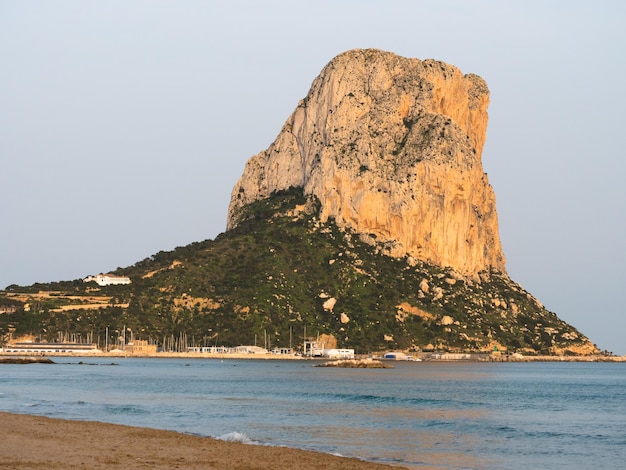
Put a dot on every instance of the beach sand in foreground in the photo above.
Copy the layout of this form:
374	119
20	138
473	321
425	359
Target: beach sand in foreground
34	442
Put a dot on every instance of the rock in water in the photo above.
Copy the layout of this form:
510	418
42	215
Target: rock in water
392	148
356	364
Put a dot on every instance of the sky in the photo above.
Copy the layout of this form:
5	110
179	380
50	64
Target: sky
125	124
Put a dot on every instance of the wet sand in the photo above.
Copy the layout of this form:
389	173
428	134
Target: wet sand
33	442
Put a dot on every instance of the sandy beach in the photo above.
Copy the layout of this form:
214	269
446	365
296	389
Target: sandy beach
33	442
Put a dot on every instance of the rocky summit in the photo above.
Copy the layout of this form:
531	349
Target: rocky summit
391	147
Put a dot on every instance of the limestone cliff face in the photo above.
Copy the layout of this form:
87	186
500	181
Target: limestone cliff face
392	148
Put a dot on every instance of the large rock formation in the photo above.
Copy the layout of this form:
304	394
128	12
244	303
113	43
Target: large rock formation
392	148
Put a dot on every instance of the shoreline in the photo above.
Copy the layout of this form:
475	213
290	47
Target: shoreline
32	441
291	357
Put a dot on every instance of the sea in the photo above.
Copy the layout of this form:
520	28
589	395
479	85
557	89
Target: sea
448	415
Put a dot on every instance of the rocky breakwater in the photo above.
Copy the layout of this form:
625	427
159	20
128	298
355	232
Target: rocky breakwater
367	363
391	147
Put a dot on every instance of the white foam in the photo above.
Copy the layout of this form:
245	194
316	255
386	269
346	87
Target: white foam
236	437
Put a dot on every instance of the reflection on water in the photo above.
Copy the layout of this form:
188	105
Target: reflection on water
394	413
411	447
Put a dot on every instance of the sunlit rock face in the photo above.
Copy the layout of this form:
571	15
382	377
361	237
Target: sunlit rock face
392	148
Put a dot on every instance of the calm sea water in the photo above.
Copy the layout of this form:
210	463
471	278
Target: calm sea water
423	414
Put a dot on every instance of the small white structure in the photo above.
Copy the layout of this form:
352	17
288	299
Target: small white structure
28	347
338	353
284	351
396	356
108	279
313	349
451	356
317	349
210	349
251	350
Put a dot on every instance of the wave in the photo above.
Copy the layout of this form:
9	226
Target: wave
236	437
125	410
381	399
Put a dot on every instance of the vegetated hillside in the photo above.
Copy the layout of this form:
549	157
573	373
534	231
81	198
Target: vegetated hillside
281	271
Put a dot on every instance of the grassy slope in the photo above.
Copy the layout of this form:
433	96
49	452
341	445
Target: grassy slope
272	275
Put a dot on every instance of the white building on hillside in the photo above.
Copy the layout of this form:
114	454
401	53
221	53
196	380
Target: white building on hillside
108	279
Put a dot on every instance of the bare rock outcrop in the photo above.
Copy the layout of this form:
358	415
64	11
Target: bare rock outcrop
392	148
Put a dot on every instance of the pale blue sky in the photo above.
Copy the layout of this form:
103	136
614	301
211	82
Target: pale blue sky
125	124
